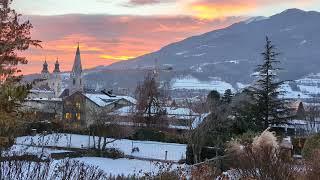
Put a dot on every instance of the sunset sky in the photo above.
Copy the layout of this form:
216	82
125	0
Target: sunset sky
117	30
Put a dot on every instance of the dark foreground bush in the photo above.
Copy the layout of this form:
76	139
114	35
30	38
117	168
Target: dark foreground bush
311	145
206	153
58	170
149	135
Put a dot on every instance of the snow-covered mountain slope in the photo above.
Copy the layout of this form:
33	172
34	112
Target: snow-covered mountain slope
232	53
191	83
305	88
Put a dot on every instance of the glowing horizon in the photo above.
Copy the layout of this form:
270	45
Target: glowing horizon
112	31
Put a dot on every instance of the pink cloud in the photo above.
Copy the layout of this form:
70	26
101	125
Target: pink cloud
105	39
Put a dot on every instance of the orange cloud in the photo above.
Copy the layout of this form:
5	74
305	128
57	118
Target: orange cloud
212	9
106	39
208	10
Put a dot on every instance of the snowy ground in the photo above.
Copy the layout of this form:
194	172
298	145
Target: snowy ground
19	150
125	166
44	146
190	82
147	149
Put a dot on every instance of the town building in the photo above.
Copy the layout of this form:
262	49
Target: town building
304	119
84	109
176	119
70	102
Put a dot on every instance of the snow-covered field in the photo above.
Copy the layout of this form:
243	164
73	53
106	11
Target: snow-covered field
125	166
289	93
147	149
306	87
18	150
146	162
190	83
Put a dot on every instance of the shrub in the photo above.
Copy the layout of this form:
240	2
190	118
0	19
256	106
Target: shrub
313	166
175	138
311	145
149	134
206	153
42	126
298	144
114	153
261	159
247	137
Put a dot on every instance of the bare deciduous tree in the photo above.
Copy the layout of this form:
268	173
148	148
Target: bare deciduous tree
149	102
103	127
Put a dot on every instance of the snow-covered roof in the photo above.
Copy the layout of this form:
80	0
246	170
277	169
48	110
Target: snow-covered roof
199	120
41	91
298	122
192	83
178	127
128	98
124	111
43	99
181	113
103	100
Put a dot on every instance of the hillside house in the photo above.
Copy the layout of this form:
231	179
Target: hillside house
82	109
304	119
178	119
43	108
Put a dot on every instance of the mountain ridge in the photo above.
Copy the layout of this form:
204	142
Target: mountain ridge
293	31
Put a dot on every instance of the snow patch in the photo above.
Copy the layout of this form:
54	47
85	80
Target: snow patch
181	53
291	94
147	149
303	42
242	86
124	166
255	19
206	46
198	55
190	82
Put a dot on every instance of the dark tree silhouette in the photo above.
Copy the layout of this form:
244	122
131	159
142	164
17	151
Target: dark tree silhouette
271	109
14	37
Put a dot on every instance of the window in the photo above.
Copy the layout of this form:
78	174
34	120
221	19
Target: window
78	116
74	81
78	105
68	116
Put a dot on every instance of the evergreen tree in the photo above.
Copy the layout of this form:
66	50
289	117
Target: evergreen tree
14	36
271	109
227	96
213	99
301	113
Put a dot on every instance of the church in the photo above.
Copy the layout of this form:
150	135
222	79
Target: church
50	85
55	97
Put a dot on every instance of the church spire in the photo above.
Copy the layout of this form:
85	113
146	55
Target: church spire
56	67
45	67
76	74
45	72
77	67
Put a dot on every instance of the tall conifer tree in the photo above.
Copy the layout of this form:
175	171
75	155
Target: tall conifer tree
271	109
14	37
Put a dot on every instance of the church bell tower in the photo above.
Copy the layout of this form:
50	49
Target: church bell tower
45	72
56	79
76	74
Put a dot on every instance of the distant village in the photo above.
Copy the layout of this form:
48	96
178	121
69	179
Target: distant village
77	106
49	100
